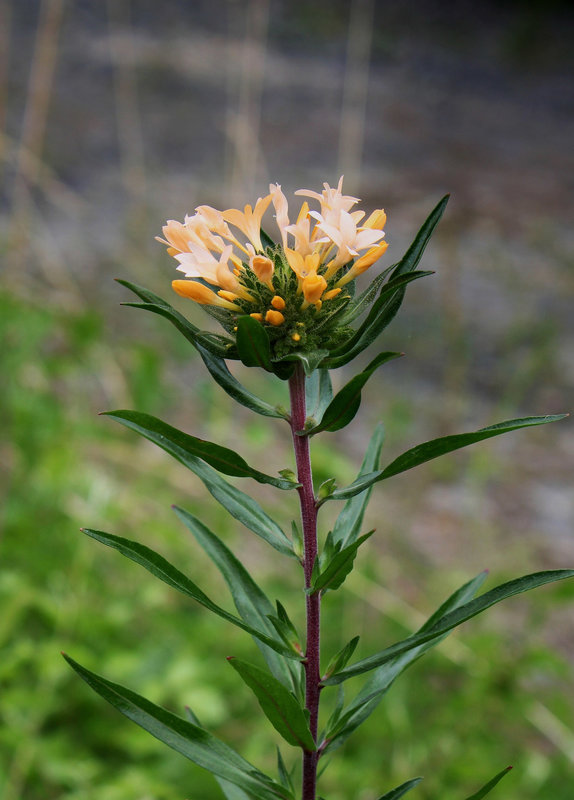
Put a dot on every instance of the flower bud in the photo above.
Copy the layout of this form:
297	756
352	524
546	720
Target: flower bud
263	267
313	288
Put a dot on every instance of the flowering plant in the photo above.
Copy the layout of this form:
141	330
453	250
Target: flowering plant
290	308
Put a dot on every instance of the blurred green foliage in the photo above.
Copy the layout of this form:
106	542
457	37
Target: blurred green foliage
493	694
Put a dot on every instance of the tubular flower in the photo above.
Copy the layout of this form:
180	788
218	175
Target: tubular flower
294	288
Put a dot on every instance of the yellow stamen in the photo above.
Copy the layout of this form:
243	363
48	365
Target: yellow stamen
257	316
201	294
278	303
274	317
331	294
296	337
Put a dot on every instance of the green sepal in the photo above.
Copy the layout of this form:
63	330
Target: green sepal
382	312
394	794
347	401
318	395
438	447
188	449
486	789
190	740
453	619
375	688
335	572
279	705
166	572
253	343
252	604
348	524
310	361
219	346
342	658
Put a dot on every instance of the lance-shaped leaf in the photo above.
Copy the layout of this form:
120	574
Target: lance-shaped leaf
411	258
341	659
394	794
486	789
318	395
389	301
162	569
335	572
213	351
348	523
366	701
219	346
365	300
381	314
285	778
188	449
346	402
253	343
221	374
281	708
252	604
186	738
438	447
453	619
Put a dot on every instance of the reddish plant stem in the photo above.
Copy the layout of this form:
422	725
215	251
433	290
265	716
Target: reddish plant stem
309	524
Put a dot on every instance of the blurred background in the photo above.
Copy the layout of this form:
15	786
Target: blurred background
118	115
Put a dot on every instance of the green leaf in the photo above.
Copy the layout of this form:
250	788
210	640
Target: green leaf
318	395
221	374
339	567
346	402
284	774
382	312
366	701
191	741
244	509
309	361
490	785
218	346
364	301
253	343
252	604
453	619
166	572
188	449
349	522
411	258
280	707
438	447
394	794
341	659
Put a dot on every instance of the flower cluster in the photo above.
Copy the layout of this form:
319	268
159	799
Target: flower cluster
292	288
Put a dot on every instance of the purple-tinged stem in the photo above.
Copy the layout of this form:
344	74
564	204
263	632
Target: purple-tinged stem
309	524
